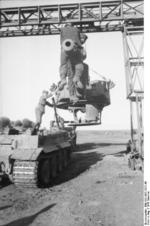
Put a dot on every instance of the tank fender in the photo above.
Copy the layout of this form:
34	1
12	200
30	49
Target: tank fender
49	148
26	154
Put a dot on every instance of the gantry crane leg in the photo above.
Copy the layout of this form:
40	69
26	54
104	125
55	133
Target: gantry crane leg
133	53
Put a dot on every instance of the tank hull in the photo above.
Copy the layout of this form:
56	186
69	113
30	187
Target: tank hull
34	160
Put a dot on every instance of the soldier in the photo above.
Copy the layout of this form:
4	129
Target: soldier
72	54
40	109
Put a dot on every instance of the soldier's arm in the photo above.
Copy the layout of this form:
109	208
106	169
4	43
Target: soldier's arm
49	104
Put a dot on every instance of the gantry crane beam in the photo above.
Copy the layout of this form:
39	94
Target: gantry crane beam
100	16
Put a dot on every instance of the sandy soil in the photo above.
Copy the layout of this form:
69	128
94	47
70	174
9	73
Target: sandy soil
97	189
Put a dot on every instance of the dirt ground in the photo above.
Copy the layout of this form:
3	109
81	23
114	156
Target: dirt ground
97	189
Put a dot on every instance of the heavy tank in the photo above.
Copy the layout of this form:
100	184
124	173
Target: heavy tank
34	160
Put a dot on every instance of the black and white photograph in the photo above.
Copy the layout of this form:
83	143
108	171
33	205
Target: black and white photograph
72	113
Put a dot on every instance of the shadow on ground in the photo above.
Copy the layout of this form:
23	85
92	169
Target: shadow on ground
5	207
91	146
121	153
4	182
29	219
80	163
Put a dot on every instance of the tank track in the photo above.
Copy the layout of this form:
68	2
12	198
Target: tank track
25	173
29	173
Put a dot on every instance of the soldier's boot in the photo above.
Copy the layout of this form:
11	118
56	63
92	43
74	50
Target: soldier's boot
77	81
78	84
35	128
62	84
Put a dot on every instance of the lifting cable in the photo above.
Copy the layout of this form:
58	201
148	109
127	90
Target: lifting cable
111	83
104	78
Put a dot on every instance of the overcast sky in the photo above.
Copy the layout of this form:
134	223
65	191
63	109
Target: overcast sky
30	64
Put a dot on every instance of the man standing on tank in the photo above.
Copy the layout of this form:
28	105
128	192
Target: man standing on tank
74	57
40	109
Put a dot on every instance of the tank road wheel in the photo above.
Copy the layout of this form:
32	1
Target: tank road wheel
74	143
44	172
68	155
59	161
65	162
53	166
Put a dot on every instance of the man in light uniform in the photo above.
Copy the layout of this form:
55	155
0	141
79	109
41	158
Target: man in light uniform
40	109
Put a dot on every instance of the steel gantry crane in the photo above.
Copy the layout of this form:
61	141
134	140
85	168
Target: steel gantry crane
104	16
